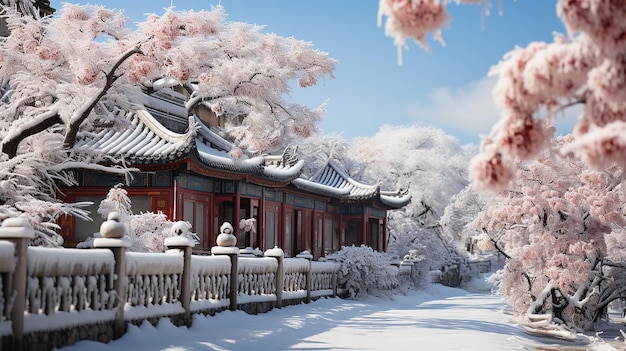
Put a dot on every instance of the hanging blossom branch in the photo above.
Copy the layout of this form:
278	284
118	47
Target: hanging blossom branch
416	19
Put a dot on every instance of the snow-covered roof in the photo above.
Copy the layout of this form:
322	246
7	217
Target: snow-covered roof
147	141
333	181
144	141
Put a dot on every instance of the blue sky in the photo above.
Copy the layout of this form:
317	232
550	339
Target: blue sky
446	88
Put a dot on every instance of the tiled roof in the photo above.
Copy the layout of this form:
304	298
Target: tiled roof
213	151
333	181
144	141
148	141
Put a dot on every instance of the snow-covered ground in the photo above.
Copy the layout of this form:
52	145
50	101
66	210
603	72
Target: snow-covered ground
436	318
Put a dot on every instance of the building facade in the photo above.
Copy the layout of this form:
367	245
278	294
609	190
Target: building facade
185	171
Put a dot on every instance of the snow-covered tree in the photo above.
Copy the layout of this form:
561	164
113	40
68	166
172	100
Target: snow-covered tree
585	66
318	148
551	224
364	271
432	166
81	69
461	210
146	231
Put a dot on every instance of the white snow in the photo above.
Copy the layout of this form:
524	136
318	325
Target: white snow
46	262
7	260
435	318
147	263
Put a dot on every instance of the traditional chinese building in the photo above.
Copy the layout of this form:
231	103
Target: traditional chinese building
37	8
185	172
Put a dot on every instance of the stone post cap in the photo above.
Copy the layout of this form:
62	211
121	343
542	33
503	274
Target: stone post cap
305	254
110	243
275	252
16	227
225	250
180	228
226	237
113	227
179	241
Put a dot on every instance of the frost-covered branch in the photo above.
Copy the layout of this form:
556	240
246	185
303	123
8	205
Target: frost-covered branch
81	114
12	140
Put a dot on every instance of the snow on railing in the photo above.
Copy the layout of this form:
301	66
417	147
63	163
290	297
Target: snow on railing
323	278
256	278
100	290
209	282
295	274
153	284
68	287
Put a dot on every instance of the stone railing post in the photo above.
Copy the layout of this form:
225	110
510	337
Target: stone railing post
226	242
185	245
279	255
18	231
408	264
112	232
334	278
309	275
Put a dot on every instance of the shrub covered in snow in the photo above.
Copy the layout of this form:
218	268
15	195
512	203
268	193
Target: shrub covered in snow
146	231
364	271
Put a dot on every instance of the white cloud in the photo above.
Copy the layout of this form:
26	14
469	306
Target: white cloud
466	112
469	111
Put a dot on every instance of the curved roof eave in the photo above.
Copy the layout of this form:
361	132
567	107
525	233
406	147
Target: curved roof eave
212	137
357	184
221	159
283	172
309	185
146	139
395	202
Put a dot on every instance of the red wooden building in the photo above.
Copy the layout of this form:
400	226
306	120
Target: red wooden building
186	172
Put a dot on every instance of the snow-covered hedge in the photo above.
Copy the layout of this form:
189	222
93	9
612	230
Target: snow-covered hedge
364	271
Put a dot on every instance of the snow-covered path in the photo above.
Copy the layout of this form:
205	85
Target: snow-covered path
438	318
454	320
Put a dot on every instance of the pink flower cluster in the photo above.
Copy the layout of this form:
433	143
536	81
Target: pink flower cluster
539	80
87	73
602	20
413	19
552	222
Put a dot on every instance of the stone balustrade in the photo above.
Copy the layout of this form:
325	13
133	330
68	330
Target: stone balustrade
70	295
50	298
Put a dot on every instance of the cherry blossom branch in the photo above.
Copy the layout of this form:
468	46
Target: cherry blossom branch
83	113
497	247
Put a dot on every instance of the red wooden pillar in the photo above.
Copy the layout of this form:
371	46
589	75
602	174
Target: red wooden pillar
384	244
364	229
260	224
282	229
237	215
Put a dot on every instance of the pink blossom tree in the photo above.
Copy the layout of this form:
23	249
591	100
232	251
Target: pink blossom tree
68	74
559	219
553	224
586	66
